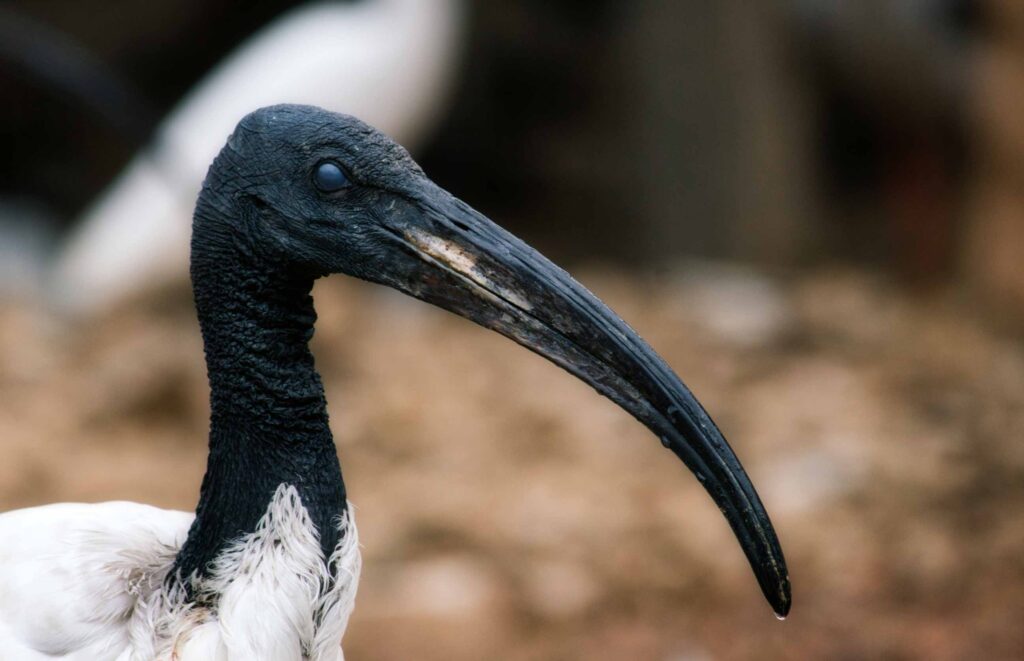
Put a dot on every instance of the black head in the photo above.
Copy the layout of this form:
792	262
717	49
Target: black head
306	187
305	192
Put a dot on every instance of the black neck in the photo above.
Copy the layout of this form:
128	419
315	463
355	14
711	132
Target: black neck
268	421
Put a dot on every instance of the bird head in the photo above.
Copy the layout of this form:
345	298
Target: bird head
324	193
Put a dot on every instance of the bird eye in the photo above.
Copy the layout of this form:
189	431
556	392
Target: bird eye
329	177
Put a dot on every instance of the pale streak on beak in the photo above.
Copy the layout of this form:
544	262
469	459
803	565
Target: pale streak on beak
464	263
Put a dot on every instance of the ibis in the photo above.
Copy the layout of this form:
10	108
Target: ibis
268	565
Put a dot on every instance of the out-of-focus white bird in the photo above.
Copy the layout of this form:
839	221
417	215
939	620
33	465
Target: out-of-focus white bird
389	61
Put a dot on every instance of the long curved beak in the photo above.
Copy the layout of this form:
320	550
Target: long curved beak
438	249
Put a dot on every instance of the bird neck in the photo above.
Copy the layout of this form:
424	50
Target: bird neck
268	416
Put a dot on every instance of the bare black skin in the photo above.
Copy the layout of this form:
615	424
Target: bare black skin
263	232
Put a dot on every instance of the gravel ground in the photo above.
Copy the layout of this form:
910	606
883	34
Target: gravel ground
508	512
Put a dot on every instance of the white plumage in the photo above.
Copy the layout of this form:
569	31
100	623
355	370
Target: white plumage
388	61
85	582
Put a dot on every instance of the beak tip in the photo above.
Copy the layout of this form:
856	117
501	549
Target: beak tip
782	600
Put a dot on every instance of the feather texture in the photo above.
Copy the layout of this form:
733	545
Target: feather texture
89	583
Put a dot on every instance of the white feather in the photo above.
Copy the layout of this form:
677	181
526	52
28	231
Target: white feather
87	582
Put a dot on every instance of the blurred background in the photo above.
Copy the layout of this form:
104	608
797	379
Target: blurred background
814	209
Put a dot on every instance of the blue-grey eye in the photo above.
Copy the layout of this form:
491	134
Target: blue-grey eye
329	177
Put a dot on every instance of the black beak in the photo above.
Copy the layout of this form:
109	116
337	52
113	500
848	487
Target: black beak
438	249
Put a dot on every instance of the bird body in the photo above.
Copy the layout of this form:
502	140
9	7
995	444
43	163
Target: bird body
88	582
68	571
267	568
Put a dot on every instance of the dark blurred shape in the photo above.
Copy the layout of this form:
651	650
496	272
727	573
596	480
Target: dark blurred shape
103	54
716	112
994	243
890	81
53	61
785	133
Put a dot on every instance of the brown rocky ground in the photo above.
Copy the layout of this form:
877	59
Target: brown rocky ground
508	512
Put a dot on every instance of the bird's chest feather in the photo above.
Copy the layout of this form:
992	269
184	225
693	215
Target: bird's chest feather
271	594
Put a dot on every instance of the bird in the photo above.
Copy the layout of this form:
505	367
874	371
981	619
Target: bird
268	565
392	62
